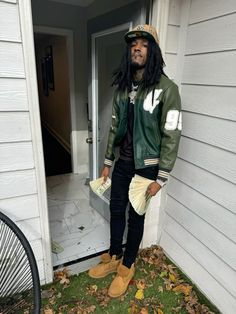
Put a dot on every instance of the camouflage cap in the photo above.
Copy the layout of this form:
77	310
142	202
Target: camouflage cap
146	31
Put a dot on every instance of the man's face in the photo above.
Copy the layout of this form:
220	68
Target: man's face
139	48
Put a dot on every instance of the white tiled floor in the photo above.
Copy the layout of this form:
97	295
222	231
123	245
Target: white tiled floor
77	227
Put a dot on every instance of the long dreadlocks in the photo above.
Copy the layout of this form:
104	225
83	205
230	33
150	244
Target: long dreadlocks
123	75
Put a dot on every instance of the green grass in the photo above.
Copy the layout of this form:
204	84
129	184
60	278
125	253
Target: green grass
78	294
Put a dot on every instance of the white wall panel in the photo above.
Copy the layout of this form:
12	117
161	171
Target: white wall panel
211	69
18	190
20	208
210	185
11	63
213	213
170	68
209	158
36	246
207	9
201	253
213	35
16	156
10	1
200	229
172	39
30	228
17	183
217	132
13	94
201	277
14	126
174	15
9	22
216	101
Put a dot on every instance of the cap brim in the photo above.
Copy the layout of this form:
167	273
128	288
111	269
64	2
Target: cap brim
129	36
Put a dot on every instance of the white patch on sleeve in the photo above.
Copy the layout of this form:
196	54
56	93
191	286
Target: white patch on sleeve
172	119
180	122
148	105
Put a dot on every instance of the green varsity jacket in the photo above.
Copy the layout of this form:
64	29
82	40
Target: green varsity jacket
157	126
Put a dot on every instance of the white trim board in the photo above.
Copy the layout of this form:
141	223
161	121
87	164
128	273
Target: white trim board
33	103
159	19
70	47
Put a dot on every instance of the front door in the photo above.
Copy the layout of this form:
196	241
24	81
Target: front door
107	49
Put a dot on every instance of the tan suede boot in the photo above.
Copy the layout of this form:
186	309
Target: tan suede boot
120	283
108	265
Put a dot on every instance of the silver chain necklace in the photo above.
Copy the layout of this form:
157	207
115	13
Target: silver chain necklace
133	93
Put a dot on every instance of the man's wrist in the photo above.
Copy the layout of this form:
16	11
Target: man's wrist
160	182
108	162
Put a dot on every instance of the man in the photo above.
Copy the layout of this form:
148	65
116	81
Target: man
146	124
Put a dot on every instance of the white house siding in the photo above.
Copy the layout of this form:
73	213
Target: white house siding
173	29
199	231
18	182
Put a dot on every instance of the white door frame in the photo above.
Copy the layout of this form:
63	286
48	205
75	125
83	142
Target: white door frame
95	89
26	25
159	14
70	47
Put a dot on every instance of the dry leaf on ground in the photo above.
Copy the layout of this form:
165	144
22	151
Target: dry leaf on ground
185	289
62	276
172	277
92	289
48	311
133	309
141	284
160	289
139	295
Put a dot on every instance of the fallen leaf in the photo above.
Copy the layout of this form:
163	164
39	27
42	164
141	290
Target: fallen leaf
185	289
132	282
143	270
139	294
62	276
163	274
153	274
90	309
159	311
64	280
141	284
176	309
169	286
48	311
172	277
133	309
160	289
58	296
144	310
92	289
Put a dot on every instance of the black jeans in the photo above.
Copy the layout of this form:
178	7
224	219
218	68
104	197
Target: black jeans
121	177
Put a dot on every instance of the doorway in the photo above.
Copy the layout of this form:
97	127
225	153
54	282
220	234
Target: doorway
74	224
54	101
79	229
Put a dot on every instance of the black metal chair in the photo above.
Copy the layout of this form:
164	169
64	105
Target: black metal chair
19	277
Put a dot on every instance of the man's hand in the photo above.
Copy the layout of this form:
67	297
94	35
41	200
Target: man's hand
152	189
105	173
